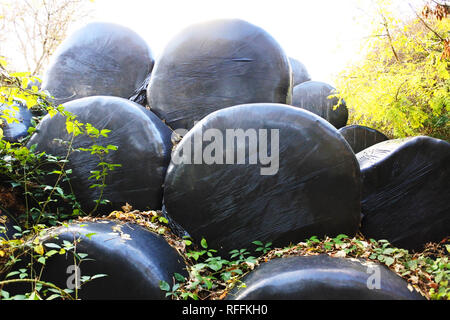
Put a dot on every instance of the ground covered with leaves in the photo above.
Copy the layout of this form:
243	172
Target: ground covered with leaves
212	277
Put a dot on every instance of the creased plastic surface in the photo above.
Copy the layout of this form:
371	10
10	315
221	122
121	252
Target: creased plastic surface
13	131
143	143
406	187
98	59
218	64
322	278
140	94
313	96
299	71
361	137
134	259
316	190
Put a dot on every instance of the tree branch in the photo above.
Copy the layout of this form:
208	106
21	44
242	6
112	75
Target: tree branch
425	24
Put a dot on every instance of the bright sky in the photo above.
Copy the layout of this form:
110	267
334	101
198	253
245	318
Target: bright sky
323	35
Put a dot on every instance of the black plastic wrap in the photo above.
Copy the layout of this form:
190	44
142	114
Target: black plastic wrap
361	137
99	59
299	72
133	258
144	146
322	278
7	222
218	64
140	95
316	190
13	131
313	96
406	187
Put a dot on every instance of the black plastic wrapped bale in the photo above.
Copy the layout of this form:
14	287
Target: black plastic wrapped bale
15	130
144	146
322	278
361	137
304	181
7	223
133	258
98	59
218	64
299	72
405	191
313	96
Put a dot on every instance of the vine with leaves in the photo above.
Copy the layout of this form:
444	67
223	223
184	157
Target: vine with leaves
24	182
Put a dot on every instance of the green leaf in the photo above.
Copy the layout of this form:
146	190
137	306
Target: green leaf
208	284
52	245
194	254
179	277
204	243
4	294
13	273
33	296
215	265
101	275
89	235
341	236
237	271
163	220
328	245
225	276
389	261
164	286
41	260
234	255
51	253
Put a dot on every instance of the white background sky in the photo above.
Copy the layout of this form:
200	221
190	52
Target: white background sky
325	35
